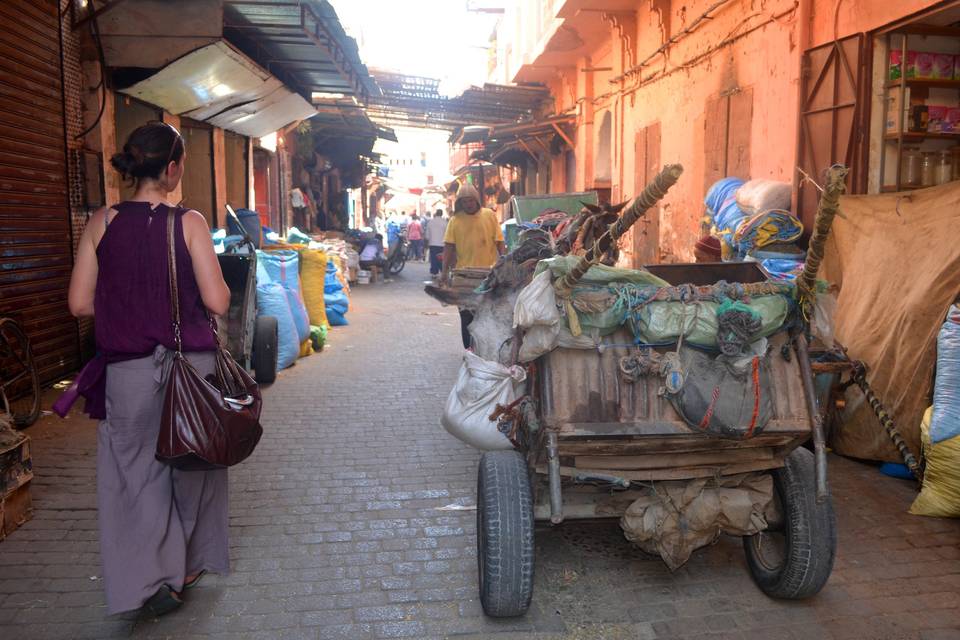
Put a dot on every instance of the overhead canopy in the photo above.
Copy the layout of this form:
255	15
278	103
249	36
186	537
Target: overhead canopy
220	85
512	144
417	101
302	43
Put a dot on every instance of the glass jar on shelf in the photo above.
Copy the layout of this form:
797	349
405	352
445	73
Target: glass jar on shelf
910	167
944	167
928	169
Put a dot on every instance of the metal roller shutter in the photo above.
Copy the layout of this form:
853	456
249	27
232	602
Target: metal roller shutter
35	238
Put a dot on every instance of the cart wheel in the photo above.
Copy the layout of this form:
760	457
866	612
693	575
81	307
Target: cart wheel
504	534
793	559
264	356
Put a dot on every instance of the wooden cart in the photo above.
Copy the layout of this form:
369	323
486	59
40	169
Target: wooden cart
596	437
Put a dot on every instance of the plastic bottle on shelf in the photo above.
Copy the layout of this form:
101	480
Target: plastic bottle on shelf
910	167
945	167
928	169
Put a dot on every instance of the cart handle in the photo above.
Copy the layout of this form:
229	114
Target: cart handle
243	230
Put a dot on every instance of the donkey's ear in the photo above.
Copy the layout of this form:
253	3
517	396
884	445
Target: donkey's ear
460	298
592	208
618	208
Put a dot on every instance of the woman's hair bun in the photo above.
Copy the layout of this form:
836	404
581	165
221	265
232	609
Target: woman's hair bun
148	150
124	163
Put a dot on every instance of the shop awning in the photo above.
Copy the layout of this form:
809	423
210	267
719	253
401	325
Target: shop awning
500	135
515	144
302	43
417	101
220	85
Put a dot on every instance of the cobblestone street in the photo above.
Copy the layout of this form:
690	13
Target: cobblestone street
338	528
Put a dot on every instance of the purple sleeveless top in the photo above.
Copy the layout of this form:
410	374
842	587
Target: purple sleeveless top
132	299
132	302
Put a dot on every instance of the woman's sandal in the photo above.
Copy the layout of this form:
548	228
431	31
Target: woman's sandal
196	580
162	602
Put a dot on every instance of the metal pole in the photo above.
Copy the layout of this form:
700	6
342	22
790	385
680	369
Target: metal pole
553	469
816	421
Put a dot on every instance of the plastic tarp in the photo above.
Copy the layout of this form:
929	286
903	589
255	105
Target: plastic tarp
897	261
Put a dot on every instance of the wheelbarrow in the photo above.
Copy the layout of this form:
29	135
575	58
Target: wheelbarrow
591	443
250	338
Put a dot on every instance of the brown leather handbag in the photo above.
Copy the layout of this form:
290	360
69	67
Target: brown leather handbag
209	423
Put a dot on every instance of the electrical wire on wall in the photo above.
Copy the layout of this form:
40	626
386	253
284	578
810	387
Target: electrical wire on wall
737	33
102	85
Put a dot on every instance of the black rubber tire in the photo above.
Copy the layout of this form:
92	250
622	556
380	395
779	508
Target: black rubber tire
24	394
504	534
264	355
808	535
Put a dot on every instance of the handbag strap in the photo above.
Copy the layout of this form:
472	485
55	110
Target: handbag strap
172	274
172	213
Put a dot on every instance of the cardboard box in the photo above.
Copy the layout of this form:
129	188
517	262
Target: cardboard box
943	66
16	508
897	67
951	123
936	116
892	123
924	66
16	471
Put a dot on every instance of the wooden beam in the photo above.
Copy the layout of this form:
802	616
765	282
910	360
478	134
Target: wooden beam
563	135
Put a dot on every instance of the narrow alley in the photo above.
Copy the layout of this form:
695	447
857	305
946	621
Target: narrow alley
344	524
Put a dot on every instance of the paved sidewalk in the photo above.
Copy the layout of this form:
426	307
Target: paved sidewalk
337	530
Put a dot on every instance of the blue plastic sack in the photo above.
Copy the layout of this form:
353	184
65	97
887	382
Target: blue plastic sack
782	269
272	301
337	301
330	282
298	312
282	267
723	211
335	318
945	423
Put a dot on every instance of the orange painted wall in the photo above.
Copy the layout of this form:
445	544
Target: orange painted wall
748	44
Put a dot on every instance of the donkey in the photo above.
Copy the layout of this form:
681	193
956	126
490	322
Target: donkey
493	301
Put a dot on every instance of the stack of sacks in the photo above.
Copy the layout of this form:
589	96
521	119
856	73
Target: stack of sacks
747	216
278	295
335	298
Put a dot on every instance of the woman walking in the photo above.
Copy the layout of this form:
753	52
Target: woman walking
160	528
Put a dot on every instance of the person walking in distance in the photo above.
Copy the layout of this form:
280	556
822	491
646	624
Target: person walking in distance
436	229
473	239
415	236
161	528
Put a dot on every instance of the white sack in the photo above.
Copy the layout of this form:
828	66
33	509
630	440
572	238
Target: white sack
758	196
481	386
536	312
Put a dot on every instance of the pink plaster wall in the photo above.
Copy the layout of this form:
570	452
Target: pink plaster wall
765	58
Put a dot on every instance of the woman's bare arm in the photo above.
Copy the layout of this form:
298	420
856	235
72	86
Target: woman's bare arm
83	281
206	267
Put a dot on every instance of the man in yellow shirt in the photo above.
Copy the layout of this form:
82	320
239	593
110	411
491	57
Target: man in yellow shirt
473	239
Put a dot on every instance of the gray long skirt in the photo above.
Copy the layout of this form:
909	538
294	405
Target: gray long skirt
157	524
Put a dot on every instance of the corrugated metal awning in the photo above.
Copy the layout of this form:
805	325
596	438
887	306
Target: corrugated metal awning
417	101
302	43
220	85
